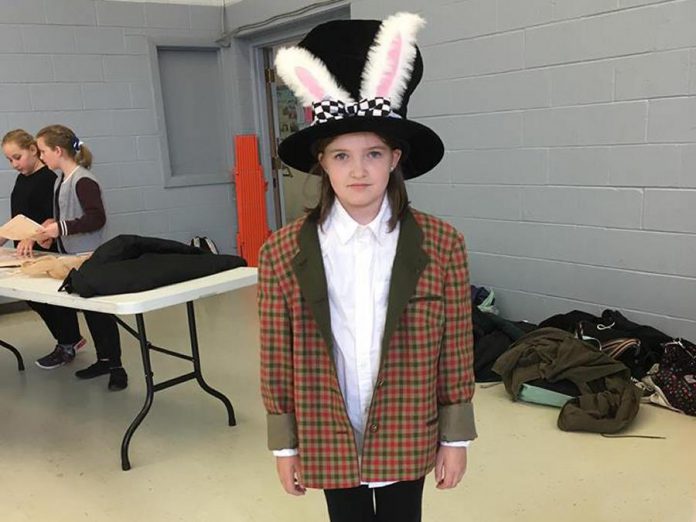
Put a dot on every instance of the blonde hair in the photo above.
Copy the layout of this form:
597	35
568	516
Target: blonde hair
21	138
63	137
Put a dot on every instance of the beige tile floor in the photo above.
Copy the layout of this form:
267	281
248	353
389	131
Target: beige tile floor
59	445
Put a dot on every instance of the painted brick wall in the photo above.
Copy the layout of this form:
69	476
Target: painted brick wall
86	64
570	129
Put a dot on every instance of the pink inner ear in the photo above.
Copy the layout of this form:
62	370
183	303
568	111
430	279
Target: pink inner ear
385	86
310	83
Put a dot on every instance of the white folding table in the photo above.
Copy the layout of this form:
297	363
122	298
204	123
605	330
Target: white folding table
45	290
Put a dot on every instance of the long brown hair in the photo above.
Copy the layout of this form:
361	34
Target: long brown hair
396	187
61	136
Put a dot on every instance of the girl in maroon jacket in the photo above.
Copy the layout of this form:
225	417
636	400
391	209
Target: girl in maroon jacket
77	224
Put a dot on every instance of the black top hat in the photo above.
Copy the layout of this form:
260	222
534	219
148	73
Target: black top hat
358	76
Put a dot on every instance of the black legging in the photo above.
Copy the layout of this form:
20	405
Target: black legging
399	502
62	322
107	341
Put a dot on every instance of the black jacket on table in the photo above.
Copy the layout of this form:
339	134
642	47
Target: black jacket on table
129	263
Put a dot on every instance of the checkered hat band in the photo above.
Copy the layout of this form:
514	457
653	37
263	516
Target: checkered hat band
330	109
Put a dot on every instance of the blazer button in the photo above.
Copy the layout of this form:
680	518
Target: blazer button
373	428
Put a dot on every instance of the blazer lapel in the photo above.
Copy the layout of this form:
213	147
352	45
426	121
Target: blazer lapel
409	262
309	270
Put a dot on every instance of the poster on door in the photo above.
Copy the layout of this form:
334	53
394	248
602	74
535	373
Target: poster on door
288	109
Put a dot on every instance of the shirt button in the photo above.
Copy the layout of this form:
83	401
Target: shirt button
380	383
373	428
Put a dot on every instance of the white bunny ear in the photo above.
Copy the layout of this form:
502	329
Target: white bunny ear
390	59
308	76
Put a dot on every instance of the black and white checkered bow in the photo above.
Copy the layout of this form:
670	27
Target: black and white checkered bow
330	109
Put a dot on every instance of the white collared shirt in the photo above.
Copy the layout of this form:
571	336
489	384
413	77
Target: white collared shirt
358	261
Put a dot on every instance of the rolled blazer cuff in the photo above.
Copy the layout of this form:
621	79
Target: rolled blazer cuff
282	431
456	422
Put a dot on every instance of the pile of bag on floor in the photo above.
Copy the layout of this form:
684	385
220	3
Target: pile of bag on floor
597	369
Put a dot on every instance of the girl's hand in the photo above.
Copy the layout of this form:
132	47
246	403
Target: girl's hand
25	248
450	466
290	474
50	230
45	243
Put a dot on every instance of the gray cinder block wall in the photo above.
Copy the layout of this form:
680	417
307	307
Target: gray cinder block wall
570	129
86	64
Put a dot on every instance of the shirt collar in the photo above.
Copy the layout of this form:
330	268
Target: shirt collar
345	227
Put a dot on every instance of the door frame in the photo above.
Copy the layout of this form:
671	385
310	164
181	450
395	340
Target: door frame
293	31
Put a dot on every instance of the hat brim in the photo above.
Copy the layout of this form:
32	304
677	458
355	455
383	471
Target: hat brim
423	149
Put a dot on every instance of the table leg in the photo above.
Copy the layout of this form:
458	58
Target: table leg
20	361
197	366
147	367
145	348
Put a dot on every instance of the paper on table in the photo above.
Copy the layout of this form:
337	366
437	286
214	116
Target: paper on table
9	257
20	227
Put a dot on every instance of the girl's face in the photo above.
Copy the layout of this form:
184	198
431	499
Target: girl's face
359	165
24	161
50	156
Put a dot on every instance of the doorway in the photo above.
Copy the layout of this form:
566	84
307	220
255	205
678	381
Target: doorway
296	190
280	114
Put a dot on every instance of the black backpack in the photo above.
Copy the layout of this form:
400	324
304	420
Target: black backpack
676	375
205	243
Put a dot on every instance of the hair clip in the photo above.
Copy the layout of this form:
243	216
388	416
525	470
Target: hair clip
77	144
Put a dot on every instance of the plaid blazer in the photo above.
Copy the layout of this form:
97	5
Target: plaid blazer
425	382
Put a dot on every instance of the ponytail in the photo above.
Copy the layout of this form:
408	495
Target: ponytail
83	157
